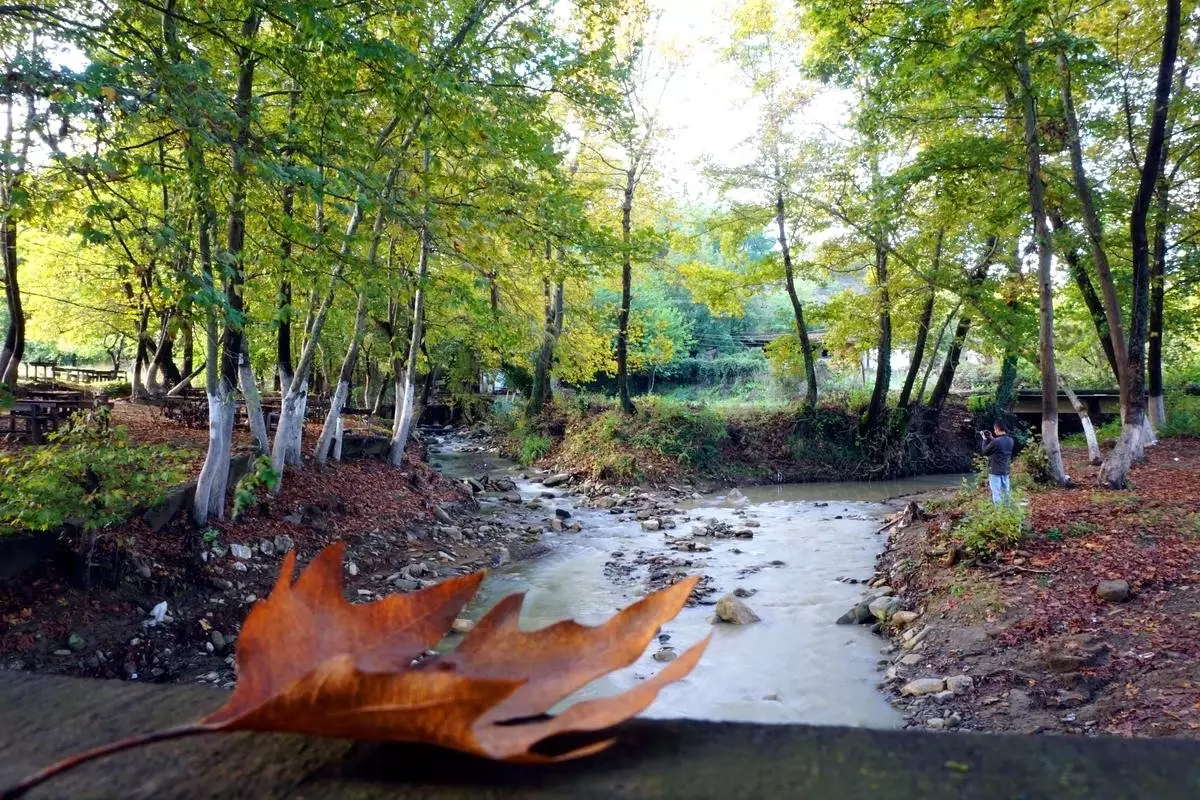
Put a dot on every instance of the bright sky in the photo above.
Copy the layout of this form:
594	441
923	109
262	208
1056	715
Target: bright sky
702	106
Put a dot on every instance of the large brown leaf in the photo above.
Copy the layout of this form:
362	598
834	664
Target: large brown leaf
310	662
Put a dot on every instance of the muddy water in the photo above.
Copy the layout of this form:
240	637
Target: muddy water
793	666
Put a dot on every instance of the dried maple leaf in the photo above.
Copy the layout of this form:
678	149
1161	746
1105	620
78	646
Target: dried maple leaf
310	662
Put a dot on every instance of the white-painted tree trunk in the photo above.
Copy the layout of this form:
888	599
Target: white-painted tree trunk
402	423
333	420
186	383
1089	430
1053	447
339	432
213	482
285	449
345	375
1158	410
254	412
1129	449
1149	435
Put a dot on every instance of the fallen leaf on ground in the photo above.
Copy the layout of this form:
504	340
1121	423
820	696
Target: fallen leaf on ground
310	662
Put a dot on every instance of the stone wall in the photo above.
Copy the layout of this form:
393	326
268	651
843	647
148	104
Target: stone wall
46	718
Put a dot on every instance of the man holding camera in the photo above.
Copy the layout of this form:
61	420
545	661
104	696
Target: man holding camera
998	447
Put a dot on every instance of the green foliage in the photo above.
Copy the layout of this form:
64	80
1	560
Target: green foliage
1183	417
662	438
1107	433
534	447
250	490
1036	464
117	388
988	528
88	474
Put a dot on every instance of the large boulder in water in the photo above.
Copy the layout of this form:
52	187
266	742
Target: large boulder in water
859	615
734	611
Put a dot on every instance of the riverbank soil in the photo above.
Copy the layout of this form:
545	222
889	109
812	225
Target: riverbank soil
404	528
1091	625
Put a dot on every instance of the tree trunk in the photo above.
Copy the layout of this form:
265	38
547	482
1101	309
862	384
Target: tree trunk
883	367
789	278
1158	411
937	348
253	401
941	389
1158	277
189	355
140	358
1037	207
918	354
1095	234
541	370
1089	430
1133	439
402	418
14	339
283	335
626	279
338	401
1087	290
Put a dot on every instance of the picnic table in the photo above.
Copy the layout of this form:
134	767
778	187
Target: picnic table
42	411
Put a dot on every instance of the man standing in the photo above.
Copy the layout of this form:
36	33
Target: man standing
998	447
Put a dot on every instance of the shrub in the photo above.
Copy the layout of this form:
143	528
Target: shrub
89	474
250	489
988	528
534	447
1183	417
1037	464
118	388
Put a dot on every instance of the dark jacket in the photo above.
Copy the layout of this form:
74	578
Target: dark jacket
999	450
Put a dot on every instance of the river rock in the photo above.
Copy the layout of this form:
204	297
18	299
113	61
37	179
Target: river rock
504	485
441	516
556	480
562	513
666	655
651	524
883	607
1113	591
283	543
576	526
266	547
734	611
922	686
858	615
218	641
511	497
959	683
475	486
557	525
76	642
878	591
402	584
903	619
461	625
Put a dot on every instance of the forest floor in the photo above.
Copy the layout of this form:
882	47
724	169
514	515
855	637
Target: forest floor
404	529
1044	649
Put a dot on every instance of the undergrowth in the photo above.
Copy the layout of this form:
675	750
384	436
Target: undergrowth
88	474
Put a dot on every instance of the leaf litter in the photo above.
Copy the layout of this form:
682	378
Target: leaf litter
310	662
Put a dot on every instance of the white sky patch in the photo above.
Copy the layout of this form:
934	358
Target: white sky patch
705	110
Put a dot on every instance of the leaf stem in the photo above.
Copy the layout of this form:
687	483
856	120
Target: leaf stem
59	767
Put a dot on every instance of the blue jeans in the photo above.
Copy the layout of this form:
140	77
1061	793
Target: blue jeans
1001	491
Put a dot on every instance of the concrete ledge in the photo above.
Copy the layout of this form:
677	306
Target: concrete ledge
44	718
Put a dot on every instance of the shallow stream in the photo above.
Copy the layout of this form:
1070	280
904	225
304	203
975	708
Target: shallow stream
795	665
